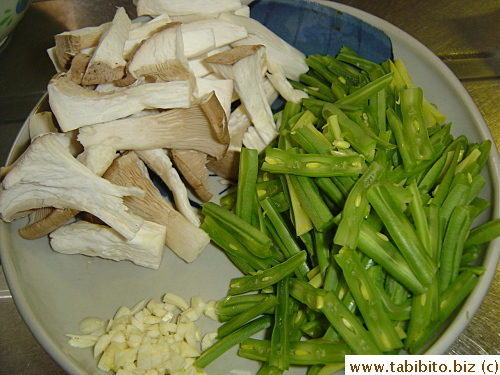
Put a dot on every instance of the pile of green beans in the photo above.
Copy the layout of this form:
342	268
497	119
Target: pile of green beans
354	228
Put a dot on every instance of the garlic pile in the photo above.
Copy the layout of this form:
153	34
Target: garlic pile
150	338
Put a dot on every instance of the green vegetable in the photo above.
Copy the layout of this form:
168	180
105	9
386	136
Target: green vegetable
360	239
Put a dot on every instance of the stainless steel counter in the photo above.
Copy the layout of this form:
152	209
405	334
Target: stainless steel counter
465	34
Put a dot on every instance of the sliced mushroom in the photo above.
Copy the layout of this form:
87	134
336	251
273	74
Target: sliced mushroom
78	67
149	28
183	238
47	175
223	88
159	162
227	167
53	219
243	64
69	43
202	127
75	106
81	237
107	63
161	56
276	75
225	32
192	165
41	123
176	7
97	158
200	68
277	50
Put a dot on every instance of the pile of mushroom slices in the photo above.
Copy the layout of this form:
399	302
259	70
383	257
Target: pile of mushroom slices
176	92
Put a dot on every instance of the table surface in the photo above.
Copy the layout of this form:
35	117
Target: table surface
461	33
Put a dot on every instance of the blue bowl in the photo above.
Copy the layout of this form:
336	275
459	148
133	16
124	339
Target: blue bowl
315	28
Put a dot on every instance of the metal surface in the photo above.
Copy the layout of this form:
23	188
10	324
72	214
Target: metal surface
462	33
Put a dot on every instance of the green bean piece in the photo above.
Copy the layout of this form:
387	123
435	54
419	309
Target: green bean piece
226	313
369	304
280	337
267	277
302	353
350	74
423	312
356	206
457	196
403	233
239	320
374	70
402	141
282	235
476	270
315	63
234	338
420	217
309	197
247	180
330	189
344	321
311	88
435	231
414	124
320	89
311	140
450	299
441	190
483	233
239	299
314	105
353	133
453	244
267	369
367	91
312	165
470	254
378	247
394	311
231	245
254	240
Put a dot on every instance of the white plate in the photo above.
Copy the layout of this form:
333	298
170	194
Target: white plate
53	292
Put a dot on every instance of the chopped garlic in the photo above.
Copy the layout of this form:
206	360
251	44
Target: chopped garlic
154	337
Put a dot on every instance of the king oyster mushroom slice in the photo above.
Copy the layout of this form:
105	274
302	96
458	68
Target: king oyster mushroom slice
201	127
243	64
95	240
159	162
47	175
197	42
148	28
277	50
75	106
192	165
161	56
183	238
78	67
97	158
41	123
107	63
238	125
223	88
45	220
276	74
225	32
200	68
176	7
69	43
